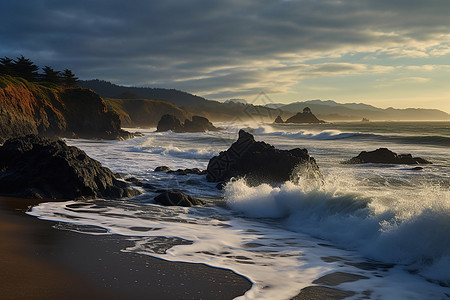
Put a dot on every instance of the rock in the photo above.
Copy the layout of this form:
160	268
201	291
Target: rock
385	156
259	162
177	198
162	169
36	167
278	120
195	171
416	169
198	124
169	122
304	117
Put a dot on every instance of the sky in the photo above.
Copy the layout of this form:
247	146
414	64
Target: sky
381	52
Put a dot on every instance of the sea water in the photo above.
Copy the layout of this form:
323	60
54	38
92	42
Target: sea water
388	223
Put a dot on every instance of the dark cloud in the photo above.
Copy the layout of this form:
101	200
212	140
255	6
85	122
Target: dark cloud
211	47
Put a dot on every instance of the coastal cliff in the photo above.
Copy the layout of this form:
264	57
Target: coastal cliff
52	110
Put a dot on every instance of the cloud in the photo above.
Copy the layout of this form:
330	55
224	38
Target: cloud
221	48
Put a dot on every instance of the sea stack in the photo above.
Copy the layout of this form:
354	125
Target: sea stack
259	162
304	117
278	120
197	124
386	156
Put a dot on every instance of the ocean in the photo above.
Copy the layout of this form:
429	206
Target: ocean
387	223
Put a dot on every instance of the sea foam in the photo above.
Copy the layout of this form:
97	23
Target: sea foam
392	226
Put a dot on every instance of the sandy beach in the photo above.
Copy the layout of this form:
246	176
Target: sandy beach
41	262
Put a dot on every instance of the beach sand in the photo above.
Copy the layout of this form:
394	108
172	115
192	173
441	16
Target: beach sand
38	261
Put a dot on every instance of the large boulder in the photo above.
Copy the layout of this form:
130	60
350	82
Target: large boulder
386	156
169	122
197	124
177	198
304	117
259	162
37	167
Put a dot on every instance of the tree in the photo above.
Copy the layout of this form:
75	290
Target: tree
68	78
25	68
51	75
6	66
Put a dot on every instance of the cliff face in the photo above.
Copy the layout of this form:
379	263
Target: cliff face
144	112
50	110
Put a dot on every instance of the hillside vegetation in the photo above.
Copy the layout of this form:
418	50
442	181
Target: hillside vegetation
144	112
191	104
52	110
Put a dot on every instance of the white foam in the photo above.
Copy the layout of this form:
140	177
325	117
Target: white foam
393	226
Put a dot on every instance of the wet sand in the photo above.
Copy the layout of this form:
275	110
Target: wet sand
40	262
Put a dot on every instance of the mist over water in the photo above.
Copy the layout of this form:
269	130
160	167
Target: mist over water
388	217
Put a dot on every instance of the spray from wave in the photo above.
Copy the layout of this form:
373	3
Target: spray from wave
402	226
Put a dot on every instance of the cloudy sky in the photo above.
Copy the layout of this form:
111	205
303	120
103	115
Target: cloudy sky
380	52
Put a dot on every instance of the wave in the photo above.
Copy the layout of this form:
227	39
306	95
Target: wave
416	139
153	147
305	134
408	226
336	135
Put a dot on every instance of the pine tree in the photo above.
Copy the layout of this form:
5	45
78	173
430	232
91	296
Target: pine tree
51	75
25	68
68	78
6	66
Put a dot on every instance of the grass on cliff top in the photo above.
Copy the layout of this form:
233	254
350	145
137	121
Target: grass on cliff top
7	80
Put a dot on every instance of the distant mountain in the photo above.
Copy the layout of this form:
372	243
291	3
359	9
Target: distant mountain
331	110
109	90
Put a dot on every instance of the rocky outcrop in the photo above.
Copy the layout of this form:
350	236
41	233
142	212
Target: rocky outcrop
37	167
304	117
195	171
32	108
169	122
259	162
278	120
385	156
197	124
177	198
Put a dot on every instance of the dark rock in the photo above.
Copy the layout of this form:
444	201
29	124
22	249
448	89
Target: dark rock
259	162
304	117
169	122
416	169
195	171
198	124
177	198
162	169
385	156
36	167
278	120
